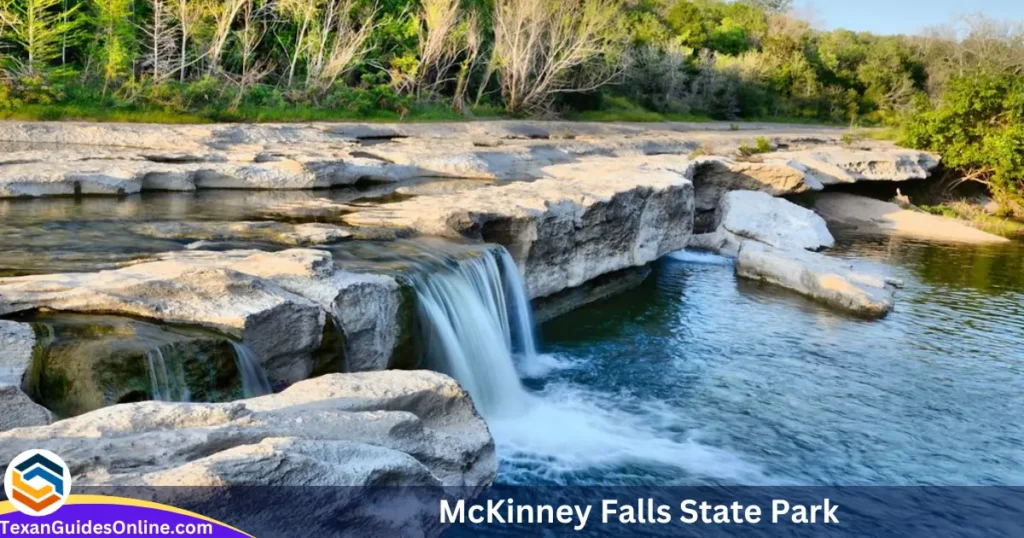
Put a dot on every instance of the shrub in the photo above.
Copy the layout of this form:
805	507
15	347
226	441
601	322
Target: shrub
761	145
978	127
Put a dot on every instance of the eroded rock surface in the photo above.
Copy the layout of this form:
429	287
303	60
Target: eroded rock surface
16	409
269	231
716	176
579	222
277	303
795	171
79	158
422	422
831	165
829	280
408	428
772	240
757	216
85	362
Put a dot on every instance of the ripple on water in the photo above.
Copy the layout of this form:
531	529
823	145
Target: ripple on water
697	378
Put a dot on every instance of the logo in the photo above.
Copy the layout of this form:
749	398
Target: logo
37	482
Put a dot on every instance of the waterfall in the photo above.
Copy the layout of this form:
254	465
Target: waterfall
164	386
254	380
474	315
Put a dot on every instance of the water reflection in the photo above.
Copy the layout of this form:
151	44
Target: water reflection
63	234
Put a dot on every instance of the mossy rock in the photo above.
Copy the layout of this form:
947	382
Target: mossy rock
408	352
83	362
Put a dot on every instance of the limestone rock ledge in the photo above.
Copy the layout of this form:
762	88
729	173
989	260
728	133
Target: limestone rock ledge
792	172
255	296
580	221
16	408
66	158
391	428
832	165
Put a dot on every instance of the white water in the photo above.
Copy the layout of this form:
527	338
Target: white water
478	328
700	256
254	380
467	332
165	387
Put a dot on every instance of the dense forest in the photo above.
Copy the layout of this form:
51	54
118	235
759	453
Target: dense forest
957	90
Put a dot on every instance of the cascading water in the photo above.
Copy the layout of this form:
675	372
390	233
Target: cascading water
165	386
254	380
477	327
474	314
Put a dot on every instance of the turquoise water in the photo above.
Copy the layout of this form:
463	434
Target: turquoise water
696	377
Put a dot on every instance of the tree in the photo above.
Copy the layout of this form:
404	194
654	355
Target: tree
978	127
115	38
439	45
772	6
159	39
546	47
336	41
254	29
302	14
39	29
223	13
188	14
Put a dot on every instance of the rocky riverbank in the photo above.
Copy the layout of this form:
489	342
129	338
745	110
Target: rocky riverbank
319	278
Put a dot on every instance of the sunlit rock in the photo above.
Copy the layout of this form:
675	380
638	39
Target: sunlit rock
832	281
378	428
757	216
869	216
579	222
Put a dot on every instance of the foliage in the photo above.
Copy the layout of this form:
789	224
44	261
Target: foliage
38	31
761	145
546	47
978	126
956	90
971	212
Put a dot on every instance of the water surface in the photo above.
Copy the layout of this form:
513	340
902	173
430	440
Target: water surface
696	377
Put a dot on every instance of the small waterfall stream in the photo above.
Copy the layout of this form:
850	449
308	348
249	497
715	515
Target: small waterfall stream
475	315
254	379
477	327
165	386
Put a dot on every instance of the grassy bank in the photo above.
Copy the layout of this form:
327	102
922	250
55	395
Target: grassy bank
249	114
976	216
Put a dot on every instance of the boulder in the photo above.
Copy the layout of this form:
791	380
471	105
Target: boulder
17	410
757	216
831	281
580	221
409	428
792	172
422	414
869	216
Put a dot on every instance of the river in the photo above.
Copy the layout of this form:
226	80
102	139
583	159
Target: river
698	378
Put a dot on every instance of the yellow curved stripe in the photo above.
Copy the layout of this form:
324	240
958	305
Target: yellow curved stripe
6	508
27	488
